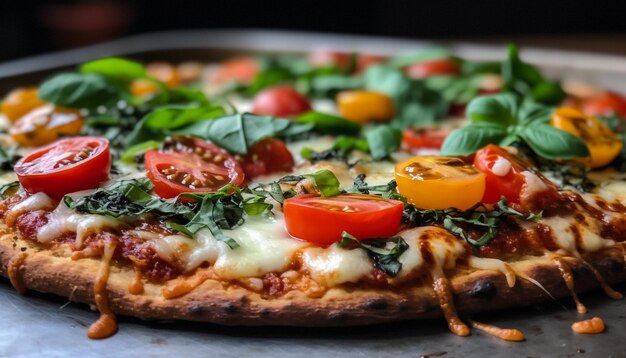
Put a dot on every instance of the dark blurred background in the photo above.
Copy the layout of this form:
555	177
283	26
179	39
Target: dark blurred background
30	27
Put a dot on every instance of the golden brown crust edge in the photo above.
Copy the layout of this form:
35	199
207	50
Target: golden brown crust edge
233	305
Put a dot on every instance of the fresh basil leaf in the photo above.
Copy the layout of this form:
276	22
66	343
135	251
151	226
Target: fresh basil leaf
10	187
552	143
130	155
82	90
328	85
8	157
329	124
531	113
384	258
474	136
237	133
172	119
326	182
383	140
500	109
387	80
420	56
114	67
340	150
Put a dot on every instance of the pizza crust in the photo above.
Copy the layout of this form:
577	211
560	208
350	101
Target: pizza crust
221	303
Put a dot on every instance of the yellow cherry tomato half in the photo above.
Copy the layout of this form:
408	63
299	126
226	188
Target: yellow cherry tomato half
362	106
19	102
431	182
603	144
46	124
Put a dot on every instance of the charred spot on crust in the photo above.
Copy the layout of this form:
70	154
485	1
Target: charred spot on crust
483	289
265	312
375	304
610	265
338	316
230	308
197	310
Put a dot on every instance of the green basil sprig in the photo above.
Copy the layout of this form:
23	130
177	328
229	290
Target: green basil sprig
500	119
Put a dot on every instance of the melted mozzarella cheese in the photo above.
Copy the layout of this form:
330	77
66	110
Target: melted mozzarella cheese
64	220
442	248
264	247
566	231
333	265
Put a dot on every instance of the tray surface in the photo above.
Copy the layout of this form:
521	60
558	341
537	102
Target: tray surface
39	325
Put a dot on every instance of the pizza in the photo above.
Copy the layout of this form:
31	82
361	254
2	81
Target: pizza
322	190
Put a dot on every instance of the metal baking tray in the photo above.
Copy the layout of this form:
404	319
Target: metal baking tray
38	325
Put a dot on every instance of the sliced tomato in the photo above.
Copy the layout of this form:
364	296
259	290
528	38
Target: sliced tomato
513	178
239	69
280	101
66	166
438	67
319	220
45	124
188	164
267	156
433	182
364	60
605	104
328	58
425	137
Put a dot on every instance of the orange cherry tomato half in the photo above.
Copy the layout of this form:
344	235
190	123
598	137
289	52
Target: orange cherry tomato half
66	166
280	101
439	67
44	125
509	176
425	137
188	164
319	220
238	69
267	156
605	104
19	102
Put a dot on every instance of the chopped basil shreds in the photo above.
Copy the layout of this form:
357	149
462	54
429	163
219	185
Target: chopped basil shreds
324	180
221	210
7	188
477	218
384	252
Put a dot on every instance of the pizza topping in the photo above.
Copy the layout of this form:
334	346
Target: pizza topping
267	156
422	179
383	252
187	164
344	212
19	102
507	175
424	137
443	290
135	287
594	325
46	124
66	166
503	119
605	104
280	101
512	335
603	144
363	106
106	325
183	285
435	67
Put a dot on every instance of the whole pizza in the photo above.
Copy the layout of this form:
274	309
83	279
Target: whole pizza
321	190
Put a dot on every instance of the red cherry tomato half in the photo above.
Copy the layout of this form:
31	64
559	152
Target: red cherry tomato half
605	104
321	220
280	101
442	66
511	177
327	58
187	164
425	137
239	69
267	156
65	166
363	61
